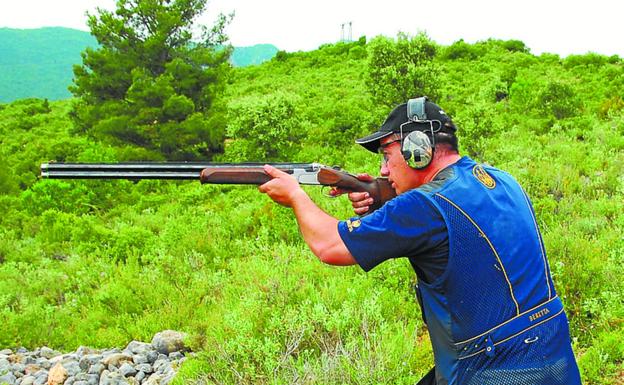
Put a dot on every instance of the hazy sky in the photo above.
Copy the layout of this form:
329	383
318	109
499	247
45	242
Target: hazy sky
556	26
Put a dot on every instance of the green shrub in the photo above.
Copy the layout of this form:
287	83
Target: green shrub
357	52
8	183
612	105
515	46
400	69
589	59
264	128
558	100
52	194
459	50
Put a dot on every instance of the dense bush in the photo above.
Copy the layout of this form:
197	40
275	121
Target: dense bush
401	69
264	128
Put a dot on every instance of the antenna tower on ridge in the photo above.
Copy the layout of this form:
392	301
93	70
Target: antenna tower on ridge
348	36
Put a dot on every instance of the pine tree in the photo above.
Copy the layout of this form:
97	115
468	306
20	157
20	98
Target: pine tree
152	82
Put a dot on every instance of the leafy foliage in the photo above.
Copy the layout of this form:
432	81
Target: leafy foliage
401	69
264	129
150	83
460	50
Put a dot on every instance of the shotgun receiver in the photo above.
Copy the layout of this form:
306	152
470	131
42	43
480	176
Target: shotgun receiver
222	173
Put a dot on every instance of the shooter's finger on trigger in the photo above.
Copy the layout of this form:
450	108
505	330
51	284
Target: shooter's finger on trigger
334	191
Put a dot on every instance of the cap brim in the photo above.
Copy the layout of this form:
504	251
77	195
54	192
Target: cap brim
371	142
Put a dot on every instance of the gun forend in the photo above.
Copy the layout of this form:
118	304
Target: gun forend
234	175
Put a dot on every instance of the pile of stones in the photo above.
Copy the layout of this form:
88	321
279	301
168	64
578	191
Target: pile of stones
140	363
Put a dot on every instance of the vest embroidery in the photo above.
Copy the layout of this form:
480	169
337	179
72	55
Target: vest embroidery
479	172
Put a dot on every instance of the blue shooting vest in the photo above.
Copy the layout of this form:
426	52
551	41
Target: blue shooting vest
494	317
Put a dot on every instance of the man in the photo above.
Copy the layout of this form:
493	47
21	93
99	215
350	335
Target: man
470	233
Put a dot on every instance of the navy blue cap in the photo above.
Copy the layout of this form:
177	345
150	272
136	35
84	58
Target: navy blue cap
398	116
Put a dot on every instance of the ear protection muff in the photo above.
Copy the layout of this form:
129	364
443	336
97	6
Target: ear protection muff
417	149
416	146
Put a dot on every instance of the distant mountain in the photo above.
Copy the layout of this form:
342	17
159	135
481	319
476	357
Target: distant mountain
38	62
254	55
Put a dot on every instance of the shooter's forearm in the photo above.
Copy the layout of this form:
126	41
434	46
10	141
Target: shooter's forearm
320	231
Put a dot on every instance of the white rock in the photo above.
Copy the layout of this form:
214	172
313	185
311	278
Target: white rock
169	341
116	359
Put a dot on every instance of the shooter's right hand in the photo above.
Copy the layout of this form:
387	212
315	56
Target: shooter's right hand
359	200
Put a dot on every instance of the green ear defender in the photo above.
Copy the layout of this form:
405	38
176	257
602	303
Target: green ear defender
417	147
417	150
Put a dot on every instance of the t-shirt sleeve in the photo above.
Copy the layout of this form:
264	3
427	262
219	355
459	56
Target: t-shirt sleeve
407	225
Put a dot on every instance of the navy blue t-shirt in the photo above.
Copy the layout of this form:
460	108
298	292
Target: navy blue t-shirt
409	225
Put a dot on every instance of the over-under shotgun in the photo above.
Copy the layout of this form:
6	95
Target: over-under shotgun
222	173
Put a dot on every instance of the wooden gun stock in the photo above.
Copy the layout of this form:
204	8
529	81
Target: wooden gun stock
379	189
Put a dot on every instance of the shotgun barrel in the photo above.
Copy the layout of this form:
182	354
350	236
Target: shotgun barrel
156	170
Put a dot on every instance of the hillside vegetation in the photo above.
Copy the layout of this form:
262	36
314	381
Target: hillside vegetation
38	62
101	263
